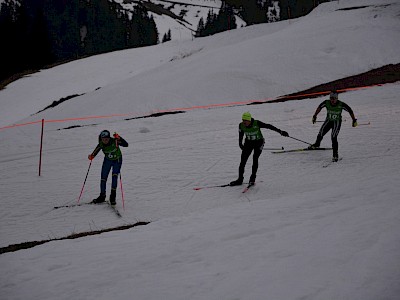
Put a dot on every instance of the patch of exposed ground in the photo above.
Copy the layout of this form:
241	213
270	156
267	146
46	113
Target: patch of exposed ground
27	245
383	75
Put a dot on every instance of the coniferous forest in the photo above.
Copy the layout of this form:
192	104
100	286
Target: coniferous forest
39	33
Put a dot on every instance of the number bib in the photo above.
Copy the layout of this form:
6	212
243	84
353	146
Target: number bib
334	113
252	133
111	151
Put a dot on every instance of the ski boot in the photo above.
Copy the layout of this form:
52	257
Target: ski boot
112	197
335	157
252	180
238	181
313	147
99	199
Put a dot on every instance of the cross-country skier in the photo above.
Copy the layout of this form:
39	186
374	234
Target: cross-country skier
333	121
254	140
112	159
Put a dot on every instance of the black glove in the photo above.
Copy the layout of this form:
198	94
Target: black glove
284	133
241	146
314	119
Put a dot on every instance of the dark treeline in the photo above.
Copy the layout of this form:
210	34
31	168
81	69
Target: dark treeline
253	12
43	32
217	22
35	34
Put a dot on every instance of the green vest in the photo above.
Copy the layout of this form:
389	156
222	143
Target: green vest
334	113
111	151
253	132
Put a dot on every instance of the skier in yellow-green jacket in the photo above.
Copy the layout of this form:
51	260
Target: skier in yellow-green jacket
254	141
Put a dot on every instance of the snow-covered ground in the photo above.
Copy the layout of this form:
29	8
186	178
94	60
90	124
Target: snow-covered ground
303	232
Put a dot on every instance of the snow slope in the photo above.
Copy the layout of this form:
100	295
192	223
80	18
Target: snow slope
303	232
251	63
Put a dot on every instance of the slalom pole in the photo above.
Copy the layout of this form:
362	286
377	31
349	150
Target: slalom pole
299	140
41	149
87	173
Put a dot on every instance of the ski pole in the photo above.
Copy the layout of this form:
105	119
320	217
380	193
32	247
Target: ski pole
120	176
281	148
299	140
122	191
361	124
344	120
87	173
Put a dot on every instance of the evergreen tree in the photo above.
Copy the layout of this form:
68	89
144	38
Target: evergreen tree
8	33
167	36
226	19
142	28
200	28
209	27
63	27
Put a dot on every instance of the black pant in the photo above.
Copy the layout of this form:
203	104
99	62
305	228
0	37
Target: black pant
248	147
328	125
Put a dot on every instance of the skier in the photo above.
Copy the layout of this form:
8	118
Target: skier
333	121
112	159
254	140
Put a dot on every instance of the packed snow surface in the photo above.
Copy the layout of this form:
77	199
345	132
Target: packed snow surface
303	232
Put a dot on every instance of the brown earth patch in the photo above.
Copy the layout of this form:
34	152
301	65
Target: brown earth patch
27	245
383	75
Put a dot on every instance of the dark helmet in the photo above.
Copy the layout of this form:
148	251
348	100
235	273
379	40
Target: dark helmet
333	94
105	134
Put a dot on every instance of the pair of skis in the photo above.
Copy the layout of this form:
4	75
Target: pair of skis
301	150
246	189
279	151
308	149
112	207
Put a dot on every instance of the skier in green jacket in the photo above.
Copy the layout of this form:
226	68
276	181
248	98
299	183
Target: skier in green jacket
254	140
112	159
333	121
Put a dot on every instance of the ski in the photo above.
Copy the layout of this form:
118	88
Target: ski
300	150
210	187
214	186
115	210
331	162
248	187
73	205
90	203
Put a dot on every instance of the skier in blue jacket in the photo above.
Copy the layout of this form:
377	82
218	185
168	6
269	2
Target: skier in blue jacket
112	160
